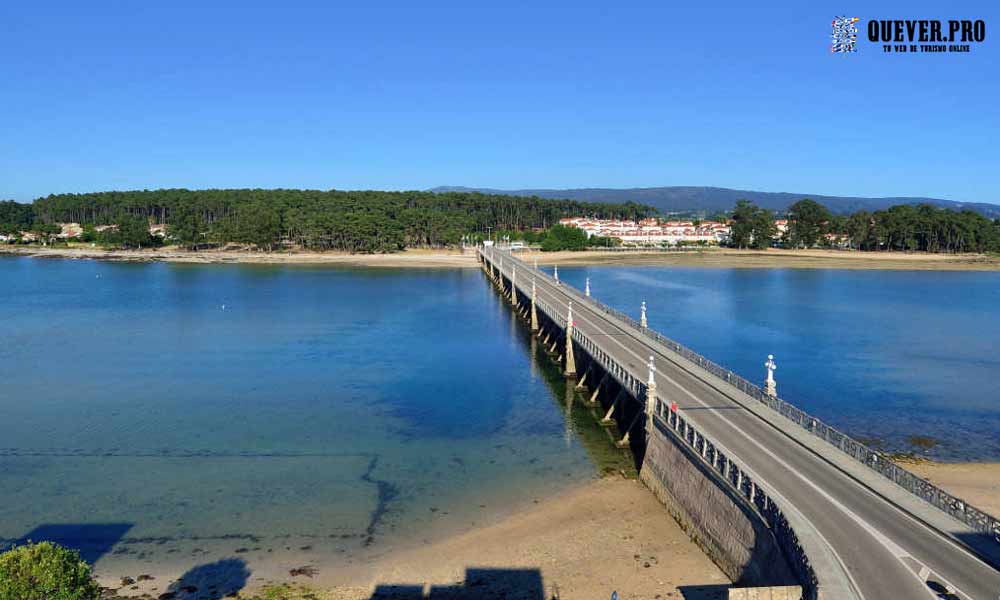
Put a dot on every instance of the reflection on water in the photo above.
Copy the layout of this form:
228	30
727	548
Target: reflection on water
906	358
264	411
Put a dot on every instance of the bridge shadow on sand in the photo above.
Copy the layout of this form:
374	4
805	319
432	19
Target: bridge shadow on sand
705	592
479	584
222	578
91	540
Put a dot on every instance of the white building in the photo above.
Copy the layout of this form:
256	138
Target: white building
652	232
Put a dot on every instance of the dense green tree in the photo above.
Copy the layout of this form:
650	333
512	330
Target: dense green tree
89	234
860	231
922	228
752	226
371	221
131	232
560	237
187	224
46	229
808	221
45	571
257	223
15	216
323	220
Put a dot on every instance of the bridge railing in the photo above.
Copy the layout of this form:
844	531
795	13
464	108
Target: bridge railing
977	519
742	482
736	478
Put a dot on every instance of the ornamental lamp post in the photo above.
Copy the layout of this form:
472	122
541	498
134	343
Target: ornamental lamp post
770	385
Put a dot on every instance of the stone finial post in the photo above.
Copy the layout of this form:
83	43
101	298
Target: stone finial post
570	360
770	385
534	313
650	396
642	316
555	273
586	289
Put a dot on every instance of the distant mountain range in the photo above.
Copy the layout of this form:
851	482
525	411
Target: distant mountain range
675	199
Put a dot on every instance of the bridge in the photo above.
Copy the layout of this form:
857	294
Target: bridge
774	495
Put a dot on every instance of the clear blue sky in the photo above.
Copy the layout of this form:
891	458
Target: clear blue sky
411	95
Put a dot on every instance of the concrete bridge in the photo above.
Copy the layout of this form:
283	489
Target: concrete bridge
772	494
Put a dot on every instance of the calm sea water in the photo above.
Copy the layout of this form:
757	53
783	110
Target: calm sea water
891	356
153	412
180	414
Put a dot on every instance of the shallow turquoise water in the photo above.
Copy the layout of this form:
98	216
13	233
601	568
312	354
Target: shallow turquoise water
199	410
181	414
885	355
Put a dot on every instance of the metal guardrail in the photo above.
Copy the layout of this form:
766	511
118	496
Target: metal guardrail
743	483
978	520
735	477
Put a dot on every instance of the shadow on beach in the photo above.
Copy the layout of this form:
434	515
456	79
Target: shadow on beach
219	579
479	584
705	592
91	540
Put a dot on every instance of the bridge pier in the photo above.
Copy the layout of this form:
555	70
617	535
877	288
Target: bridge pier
583	380
608	420
597	390
626	439
534	311
513	286
570	359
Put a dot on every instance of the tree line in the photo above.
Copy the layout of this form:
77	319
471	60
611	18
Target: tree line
361	221
904	227
373	221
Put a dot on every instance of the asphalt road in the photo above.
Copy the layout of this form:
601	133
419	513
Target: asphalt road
883	550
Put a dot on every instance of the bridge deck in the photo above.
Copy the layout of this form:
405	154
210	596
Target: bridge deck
882	548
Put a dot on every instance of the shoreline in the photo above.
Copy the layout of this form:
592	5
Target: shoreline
456	258
773	258
608	534
417	258
604	535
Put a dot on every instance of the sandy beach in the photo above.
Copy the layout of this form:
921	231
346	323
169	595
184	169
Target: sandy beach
452	258
976	483
606	535
774	258
418	258
603	536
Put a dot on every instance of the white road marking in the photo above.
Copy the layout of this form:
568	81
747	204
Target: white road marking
891	546
897	552
881	538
